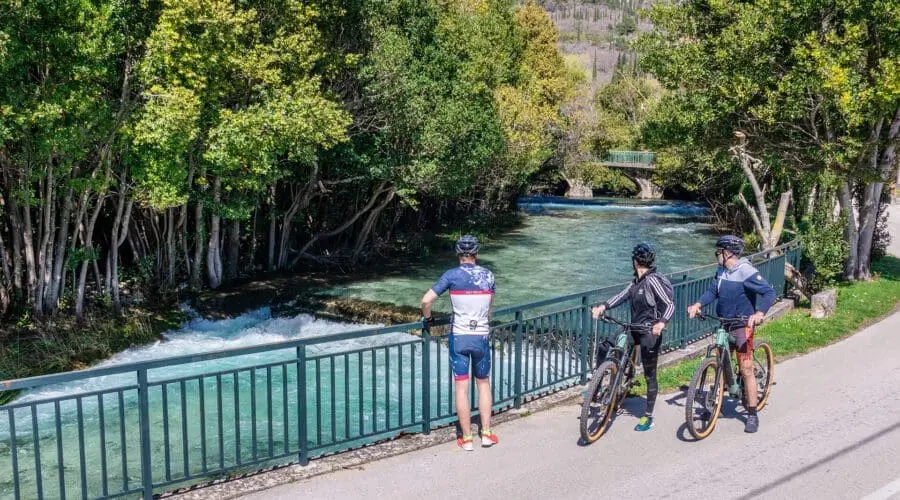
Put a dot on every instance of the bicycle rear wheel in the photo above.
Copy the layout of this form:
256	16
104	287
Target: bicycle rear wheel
599	402
704	398
764	368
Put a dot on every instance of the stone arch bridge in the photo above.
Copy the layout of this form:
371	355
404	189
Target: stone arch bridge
637	166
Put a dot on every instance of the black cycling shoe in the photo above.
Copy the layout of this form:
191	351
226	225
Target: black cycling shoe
752	424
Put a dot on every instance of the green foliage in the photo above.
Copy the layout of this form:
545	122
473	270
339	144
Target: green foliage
235	93
626	26
824	247
808	91
622	108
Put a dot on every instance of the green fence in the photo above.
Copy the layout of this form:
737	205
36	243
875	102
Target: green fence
640	157
135	429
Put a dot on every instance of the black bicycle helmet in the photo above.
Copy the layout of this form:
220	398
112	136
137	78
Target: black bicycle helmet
731	243
644	255
467	245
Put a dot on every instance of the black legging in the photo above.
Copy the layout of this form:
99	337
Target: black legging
650	345
650	358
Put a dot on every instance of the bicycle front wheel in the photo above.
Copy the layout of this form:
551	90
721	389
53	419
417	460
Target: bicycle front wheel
599	402
704	398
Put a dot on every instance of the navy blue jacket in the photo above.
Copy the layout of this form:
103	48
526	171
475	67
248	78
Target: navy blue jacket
741	292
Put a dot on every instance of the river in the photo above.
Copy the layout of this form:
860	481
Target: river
561	247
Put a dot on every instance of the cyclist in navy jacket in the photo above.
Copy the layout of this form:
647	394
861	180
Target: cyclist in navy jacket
744	298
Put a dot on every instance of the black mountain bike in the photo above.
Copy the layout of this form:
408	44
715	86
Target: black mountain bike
610	381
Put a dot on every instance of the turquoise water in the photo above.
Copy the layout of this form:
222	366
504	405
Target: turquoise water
564	247
560	248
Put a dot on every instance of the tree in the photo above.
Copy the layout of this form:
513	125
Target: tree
65	73
809	84
233	99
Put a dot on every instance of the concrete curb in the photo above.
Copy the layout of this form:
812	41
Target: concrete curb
237	486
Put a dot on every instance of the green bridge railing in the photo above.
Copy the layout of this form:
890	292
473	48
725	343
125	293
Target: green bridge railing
638	157
135	429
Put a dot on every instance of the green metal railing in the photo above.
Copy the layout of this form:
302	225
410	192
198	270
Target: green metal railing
638	157
136	429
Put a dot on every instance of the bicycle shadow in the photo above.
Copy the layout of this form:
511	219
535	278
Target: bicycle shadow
732	409
633	406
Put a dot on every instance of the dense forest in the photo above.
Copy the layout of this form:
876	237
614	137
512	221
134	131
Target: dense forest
153	147
150	146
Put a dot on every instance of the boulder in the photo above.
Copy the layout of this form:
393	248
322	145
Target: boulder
823	304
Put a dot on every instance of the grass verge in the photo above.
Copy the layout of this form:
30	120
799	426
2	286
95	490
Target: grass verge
859	305
62	344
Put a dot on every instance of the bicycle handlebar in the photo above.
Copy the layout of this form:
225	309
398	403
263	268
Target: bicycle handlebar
710	316
610	319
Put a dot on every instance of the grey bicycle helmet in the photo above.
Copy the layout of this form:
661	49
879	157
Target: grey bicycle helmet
731	243
467	245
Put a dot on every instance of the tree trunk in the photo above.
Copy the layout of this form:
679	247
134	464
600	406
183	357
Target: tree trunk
213	255
300	202
198	247
253	242
5	280
851	234
233	249
118	236
273	216
57	279
89	249
45	257
15	222
170	247
370	223
868	212
811	200
28	242
182	227
343	227
769	231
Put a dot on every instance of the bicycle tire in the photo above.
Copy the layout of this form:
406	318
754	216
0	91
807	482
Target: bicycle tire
765	389
587	410
697	381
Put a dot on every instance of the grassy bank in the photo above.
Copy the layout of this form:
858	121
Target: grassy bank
859	304
62	344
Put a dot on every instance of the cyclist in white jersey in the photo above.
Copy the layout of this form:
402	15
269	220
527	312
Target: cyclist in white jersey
471	295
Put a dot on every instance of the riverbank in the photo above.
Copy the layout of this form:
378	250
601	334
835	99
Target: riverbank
60	343
63	344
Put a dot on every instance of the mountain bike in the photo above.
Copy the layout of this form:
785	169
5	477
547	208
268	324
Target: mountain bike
720	372
610	381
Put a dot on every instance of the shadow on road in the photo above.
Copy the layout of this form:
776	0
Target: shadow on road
730	411
843	451
632	407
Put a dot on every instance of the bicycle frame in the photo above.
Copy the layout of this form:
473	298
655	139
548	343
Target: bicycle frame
623	353
722	345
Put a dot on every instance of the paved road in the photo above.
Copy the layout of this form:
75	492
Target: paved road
832	430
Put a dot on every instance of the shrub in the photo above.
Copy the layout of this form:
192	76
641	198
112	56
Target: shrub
824	247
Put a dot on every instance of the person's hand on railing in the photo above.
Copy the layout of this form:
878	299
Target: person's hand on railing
428	322
598	311
694	309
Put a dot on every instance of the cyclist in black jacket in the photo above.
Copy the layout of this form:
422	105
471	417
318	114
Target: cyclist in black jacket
652	304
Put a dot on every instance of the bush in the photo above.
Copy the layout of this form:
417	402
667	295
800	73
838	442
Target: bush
824	247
